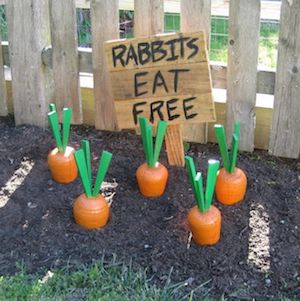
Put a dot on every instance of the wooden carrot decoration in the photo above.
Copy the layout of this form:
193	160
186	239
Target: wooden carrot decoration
152	176
61	160
90	209
204	219
231	181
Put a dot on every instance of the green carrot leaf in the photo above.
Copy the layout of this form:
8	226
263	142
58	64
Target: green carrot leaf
213	167
234	151
52	107
102	169
143	127
150	145
67	116
191	170
53	120
82	168
221	138
236	130
85	146
160	134
200	192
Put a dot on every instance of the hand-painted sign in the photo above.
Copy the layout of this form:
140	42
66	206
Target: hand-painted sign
165	77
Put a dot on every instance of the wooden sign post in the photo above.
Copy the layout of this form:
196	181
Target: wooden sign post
166	77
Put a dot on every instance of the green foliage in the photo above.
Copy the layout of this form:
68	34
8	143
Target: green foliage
229	158
203	200
151	151
61	140
83	162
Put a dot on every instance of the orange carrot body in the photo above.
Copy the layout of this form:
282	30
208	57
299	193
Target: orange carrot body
152	181
63	166
230	187
205	226
91	213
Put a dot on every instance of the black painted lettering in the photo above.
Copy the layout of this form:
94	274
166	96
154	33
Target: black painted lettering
188	108
172	44
136	111
144	53
170	109
158	53
176	76
138	84
156	107
191	44
118	53
159	81
131	55
181	40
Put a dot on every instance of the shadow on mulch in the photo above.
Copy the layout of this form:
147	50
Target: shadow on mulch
258	255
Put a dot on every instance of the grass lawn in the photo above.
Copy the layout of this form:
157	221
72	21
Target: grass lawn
105	282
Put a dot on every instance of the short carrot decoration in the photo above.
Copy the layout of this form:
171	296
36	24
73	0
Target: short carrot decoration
61	160
152	176
91	209
231	181
204	219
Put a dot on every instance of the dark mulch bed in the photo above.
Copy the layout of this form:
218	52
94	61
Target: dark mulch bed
37	227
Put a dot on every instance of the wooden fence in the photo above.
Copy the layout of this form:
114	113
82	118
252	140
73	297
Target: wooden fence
46	64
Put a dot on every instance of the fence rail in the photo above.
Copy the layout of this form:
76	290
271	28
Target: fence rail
39	22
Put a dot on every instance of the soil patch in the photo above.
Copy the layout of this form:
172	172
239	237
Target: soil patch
259	252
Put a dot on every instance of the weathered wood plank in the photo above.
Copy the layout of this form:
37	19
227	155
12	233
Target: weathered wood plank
105	26
129	56
149	20
265	78
285	135
263	115
191	79
174	145
195	15
199	106
148	17
65	57
3	93
244	24
29	33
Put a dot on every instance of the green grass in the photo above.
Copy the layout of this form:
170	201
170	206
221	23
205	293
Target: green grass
113	281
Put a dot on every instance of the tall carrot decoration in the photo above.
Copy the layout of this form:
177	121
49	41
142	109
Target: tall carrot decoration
204	219
231	181
61	160
152	176
90	209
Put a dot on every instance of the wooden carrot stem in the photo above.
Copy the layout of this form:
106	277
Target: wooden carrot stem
85	146
233	153
53	120
200	192
67	116
221	138
52	107
102	169
213	167
150	145
191	170
143	127
160	134
82	168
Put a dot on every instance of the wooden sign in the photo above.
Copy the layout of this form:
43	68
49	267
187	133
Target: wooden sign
165	77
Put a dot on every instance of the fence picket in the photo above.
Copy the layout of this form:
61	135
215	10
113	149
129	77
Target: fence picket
148	21
195	15
243	38
29	33
3	93
65	57
105	26
285	133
